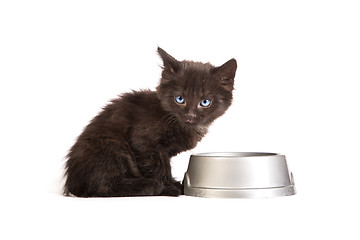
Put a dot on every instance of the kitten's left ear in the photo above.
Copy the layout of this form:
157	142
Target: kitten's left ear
170	63
226	73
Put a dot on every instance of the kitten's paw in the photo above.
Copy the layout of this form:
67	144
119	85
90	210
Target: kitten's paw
171	191
152	187
174	189
179	186
139	187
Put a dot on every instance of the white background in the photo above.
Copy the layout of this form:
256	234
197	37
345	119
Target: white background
297	93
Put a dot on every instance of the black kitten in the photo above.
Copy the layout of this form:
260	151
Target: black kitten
126	149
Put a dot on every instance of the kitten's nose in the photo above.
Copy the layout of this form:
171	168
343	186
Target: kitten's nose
190	117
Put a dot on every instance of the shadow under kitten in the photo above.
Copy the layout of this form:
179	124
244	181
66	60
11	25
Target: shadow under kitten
126	149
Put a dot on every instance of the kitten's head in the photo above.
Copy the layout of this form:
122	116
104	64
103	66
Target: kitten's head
195	93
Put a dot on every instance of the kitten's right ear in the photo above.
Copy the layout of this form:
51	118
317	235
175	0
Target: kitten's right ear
226	73
170	64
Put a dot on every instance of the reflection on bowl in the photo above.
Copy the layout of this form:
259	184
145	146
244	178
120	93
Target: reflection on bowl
238	175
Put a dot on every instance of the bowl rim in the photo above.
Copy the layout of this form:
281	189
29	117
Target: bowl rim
234	154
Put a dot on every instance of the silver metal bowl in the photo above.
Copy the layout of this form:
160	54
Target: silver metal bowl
238	175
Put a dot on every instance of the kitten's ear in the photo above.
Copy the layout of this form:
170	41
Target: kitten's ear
170	64
226	73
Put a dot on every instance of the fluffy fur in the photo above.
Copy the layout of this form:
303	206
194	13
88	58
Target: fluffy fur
126	149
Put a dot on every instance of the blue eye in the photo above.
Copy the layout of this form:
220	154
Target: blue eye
179	100
205	103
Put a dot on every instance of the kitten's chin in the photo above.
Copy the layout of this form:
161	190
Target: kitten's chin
193	125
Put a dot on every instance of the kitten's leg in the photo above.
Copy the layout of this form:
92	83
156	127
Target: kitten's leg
171	186
106	169
119	187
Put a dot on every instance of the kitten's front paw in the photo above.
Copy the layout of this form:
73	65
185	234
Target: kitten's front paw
179	186
171	191
174	189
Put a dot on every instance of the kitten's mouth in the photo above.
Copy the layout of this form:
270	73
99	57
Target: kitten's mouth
190	121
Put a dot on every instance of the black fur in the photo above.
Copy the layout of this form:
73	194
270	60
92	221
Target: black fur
126	149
